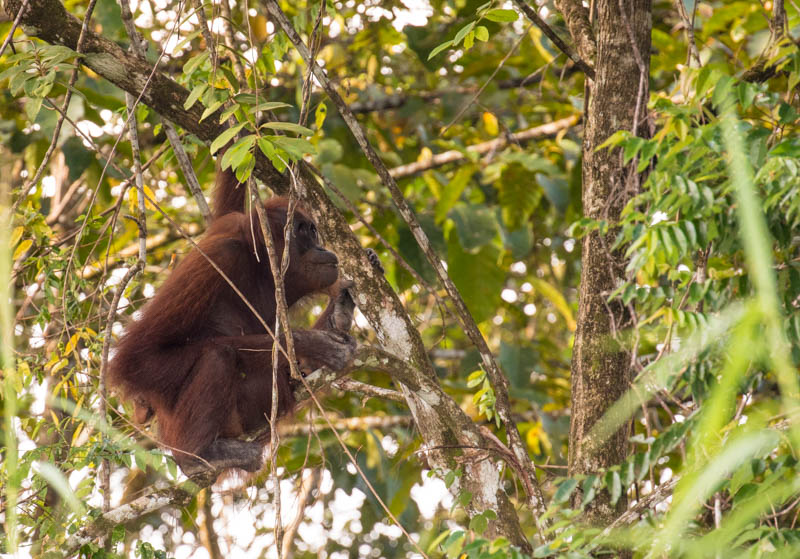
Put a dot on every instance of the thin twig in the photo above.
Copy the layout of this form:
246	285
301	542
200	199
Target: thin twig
112	313
642	68
307	485
211	45
13	27
188	171
692	54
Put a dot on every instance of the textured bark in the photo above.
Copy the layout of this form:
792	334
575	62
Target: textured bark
600	367
576	16
442	424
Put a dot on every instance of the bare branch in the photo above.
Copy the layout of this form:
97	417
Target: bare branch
368	390
692	56
347	424
188	171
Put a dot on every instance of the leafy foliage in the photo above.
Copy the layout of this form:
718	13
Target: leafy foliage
712	404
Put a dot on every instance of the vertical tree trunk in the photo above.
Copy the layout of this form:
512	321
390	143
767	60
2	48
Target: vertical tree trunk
600	367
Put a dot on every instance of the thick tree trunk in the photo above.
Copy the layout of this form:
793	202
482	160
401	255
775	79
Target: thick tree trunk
600	367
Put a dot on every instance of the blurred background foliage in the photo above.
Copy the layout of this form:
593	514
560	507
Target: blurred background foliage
507	223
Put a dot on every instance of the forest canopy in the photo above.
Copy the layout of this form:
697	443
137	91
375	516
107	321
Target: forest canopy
586	336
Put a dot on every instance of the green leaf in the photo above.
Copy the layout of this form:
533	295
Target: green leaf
295	147
22	248
289	127
555	296
564	490
211	110
227	113
463	33
479	523
230	76
501	16
481	33
271	106
477	276
476	225
245	168
452	191
469	40
615	139
193	63
440	48
224	138
56	479
235	154
32	107
118	534
475	378
268	149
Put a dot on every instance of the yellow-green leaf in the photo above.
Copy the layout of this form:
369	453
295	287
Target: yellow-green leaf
491	124
320	114
22	248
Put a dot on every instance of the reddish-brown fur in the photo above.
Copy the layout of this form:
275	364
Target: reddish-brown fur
200	359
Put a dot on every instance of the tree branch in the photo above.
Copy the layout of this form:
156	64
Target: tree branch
456	156
557	41
576	16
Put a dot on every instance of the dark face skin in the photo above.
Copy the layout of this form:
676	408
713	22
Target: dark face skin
318	267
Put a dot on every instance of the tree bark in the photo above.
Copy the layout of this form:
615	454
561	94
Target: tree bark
601	368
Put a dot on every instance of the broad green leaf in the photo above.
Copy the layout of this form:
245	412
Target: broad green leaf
193	63
451	192
195	94
224	138
501	16
440	48
462	33
476	225
270	106
555	296
211	110
289	127
295	147
22	248
565	489
478	277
